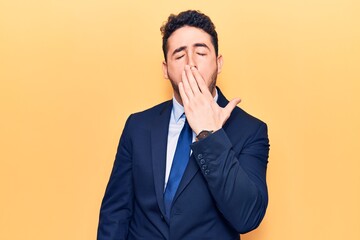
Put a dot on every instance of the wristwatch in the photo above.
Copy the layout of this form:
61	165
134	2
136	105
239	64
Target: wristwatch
203	134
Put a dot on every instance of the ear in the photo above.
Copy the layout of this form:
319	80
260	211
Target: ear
165	71
220	62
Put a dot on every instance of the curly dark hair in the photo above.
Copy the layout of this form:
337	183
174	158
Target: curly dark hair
190	18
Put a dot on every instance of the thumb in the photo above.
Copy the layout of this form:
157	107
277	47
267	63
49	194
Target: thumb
231	105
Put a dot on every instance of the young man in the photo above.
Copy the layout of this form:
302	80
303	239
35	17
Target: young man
193	167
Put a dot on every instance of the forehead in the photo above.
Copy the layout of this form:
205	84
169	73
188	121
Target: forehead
187	36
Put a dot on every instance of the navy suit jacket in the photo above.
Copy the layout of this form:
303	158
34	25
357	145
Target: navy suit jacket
222	193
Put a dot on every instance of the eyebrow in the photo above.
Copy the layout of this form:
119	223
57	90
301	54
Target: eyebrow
179	50
201	45
185	47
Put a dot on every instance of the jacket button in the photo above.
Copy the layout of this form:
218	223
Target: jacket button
203	167
200	156
206	172
202	161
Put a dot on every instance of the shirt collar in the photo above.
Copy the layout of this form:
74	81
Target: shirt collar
178	109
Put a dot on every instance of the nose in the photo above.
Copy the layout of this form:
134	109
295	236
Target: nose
190	60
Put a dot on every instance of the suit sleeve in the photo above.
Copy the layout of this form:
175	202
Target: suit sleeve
236	179
117	205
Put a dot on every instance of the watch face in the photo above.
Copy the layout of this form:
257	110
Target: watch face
203	134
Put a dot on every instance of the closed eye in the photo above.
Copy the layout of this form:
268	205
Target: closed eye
179	57
201	54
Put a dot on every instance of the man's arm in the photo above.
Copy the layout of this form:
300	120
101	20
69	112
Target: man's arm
237	181
117	205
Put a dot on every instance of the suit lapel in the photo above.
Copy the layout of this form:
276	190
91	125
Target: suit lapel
222	101
159	134
191	169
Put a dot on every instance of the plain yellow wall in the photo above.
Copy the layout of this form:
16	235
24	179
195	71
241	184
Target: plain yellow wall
72	71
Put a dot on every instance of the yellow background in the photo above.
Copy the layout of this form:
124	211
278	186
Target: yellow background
72	71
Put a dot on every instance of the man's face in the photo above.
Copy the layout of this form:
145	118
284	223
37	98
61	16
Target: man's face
191	46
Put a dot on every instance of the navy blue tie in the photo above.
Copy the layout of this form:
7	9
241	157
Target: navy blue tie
180	161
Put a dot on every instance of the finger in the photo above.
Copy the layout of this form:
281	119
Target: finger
231	105
201	82
192	82
187	89
184	98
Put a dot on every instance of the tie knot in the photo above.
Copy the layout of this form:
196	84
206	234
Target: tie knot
187	126
186	122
